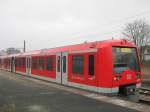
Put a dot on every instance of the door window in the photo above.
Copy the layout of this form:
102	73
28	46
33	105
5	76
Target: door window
64	64
91	65
58	64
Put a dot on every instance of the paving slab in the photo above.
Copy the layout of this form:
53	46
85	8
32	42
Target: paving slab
21	95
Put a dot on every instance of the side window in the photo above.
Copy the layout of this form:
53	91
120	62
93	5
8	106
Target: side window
78	64
15	62
18	62
58	64
49	63
23	62
64	64
91	65
19	59
41	62
34	63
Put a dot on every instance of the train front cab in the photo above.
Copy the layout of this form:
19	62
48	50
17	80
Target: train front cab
126	69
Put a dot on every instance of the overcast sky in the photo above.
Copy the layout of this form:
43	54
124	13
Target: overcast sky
50	23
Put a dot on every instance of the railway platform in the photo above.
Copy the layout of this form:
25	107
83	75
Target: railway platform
22	94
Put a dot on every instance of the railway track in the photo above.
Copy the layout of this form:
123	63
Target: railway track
146	83
144	95
145	91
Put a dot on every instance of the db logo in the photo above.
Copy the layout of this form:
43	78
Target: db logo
128	76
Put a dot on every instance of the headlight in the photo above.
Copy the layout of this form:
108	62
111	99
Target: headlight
117	78
138	76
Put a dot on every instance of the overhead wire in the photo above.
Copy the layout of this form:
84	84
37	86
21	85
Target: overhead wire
117	22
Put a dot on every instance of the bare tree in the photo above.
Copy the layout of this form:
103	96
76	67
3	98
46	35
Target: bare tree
139	33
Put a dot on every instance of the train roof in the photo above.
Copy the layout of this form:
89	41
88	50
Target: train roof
83	46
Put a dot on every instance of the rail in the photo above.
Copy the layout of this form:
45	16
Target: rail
144	95
144	90
146	83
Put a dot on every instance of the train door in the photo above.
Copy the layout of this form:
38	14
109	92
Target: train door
64	65
28	65
92	66
12	64
58	68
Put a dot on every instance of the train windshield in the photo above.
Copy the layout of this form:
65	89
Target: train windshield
125	59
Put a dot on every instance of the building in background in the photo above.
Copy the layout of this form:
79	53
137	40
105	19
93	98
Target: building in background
2	52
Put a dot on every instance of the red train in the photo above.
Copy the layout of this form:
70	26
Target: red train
110	66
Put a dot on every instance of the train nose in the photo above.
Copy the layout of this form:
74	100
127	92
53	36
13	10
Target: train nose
127	77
